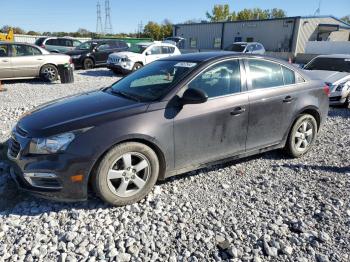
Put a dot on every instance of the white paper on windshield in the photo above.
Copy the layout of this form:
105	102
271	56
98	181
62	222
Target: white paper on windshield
185	64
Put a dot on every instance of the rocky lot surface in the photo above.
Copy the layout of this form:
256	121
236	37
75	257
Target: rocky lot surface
263	208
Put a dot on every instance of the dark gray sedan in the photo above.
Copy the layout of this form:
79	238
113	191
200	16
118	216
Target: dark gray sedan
172	116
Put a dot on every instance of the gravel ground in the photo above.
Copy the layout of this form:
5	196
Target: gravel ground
262	208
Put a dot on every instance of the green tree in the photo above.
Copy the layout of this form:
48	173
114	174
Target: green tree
16	30
277	13
153	30
346	19
33	33
221	13
166	29
245	14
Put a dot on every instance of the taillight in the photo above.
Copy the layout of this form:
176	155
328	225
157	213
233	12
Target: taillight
70	60
327	90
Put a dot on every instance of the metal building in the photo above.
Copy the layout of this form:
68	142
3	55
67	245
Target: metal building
288	34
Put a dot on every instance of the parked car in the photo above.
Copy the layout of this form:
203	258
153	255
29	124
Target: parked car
246	47
95	52
57	44
177	40
139	55
174	115
21	61
335	71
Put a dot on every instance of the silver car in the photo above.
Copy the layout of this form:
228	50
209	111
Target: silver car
24	61
334	70
246	47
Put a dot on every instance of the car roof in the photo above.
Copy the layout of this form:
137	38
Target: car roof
16	43
346	56
246	43
203	56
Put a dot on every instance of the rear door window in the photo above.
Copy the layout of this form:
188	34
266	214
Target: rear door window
76	43
265	74
288	76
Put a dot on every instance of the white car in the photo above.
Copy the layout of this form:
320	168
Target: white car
246	47
139	55
334	70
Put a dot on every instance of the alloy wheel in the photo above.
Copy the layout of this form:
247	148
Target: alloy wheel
128	174
50	73
303	136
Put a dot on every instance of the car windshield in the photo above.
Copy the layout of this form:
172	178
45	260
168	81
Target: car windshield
153	81
138	48
329	64
84	46
236	47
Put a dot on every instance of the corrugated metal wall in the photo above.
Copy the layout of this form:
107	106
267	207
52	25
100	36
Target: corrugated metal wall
204	33
30	39
308	30
275	35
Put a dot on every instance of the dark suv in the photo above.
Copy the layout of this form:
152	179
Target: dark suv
95	52
171	116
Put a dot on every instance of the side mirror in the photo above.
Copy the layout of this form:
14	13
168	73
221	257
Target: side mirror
194	96
148	53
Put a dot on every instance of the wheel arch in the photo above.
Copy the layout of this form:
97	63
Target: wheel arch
51	64
139	139
311	110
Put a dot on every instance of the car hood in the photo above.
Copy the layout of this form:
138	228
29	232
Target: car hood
77	52
127	54
76	112
332	77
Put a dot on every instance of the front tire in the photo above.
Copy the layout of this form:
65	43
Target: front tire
88	63
136	66
302	136
126	174
49	73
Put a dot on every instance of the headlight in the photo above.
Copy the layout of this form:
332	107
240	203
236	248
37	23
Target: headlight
341	86
51	145
76	56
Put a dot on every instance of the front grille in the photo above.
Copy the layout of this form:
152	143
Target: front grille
14	148
21	132
335	98
114	59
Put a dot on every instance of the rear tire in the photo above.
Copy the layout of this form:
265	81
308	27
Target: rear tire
126	174
88	64
49	73
137	66
302	136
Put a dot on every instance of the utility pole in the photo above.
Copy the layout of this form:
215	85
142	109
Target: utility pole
108	23
99	29
318	10
139	29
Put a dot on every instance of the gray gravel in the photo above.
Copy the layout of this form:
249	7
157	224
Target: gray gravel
262	208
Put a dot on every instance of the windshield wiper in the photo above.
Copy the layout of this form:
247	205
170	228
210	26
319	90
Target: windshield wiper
125	95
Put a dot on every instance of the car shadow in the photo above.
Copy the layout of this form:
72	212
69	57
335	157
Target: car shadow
34	81
98	73
339	111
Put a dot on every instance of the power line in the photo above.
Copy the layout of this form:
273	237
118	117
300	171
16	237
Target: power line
99	28
108	23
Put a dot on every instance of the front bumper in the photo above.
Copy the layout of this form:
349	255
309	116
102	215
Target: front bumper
61	186
119	68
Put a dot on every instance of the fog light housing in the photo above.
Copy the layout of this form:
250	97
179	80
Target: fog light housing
42	180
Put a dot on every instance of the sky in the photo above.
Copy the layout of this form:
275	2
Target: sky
69	15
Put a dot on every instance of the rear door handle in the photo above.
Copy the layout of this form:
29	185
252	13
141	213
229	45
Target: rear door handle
237	111
39	59
5	60
288	99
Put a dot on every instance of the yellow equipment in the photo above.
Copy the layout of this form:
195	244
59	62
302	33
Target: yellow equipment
8	37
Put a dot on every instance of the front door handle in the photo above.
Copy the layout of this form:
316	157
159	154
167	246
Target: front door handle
237	111
40	59
288	99
5	61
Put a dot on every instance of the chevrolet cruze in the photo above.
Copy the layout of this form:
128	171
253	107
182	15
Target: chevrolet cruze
172	116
